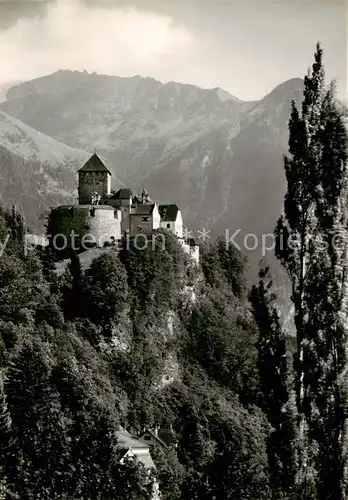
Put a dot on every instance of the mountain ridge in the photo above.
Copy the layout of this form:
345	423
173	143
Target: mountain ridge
219	159
37	171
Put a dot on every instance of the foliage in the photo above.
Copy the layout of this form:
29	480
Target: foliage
312	246
222	261
275	392
87	351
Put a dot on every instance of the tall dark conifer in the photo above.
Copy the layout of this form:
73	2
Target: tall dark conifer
5	429
312	246
275	395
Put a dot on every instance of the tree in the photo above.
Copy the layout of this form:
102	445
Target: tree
5	436
73	303
224	262
5	421
169	472
18	229
274	382
37	447
105	289
237	469
315	216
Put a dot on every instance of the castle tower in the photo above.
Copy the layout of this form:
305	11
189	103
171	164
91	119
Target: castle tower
94	181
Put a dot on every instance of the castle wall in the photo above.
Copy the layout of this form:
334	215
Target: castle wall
105	225
125	223
156	218
80	225
93	182
176	227
192	251
140	223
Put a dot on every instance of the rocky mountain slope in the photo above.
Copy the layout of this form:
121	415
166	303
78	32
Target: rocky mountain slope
134	121
219	158
36	170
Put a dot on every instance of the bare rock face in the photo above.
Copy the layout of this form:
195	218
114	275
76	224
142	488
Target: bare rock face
36	171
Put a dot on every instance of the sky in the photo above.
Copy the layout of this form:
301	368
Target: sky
245	47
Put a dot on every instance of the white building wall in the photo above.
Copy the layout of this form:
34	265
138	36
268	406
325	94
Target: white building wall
105	225
108	187
178	225
193	252
170	226
156	218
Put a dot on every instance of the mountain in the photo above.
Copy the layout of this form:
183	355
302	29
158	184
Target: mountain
216	156
135	121
36	170
4	87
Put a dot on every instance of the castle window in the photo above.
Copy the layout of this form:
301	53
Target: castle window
91	212
145	219
168	226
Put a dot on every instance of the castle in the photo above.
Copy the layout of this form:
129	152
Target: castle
102	216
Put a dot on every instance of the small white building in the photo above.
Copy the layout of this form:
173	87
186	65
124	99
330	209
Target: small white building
151	438
171	219
191	248
139	450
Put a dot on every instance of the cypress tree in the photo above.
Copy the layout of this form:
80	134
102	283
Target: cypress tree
275	396
18	228
5	430
312	246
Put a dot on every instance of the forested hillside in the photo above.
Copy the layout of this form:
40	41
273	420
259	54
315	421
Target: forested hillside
144	338
141	338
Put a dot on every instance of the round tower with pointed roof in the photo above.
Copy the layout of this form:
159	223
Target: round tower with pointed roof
94	181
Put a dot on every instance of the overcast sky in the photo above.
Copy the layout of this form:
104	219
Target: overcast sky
244	47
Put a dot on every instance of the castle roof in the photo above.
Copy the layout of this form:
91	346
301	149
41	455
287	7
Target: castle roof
94	164
136	199
137	448
154	435
143	209
122	194
82	207
125	440
168	213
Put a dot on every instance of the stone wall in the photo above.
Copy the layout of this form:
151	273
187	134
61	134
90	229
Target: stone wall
93	182
192	251
80	225
140	223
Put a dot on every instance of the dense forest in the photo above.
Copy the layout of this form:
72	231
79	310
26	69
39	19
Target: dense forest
86	352
145	338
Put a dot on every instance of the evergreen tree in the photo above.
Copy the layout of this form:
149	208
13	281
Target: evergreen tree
36	449
73	303
47	258
18	229
5	422
105	289
275	397
315	217
5	436
222	262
